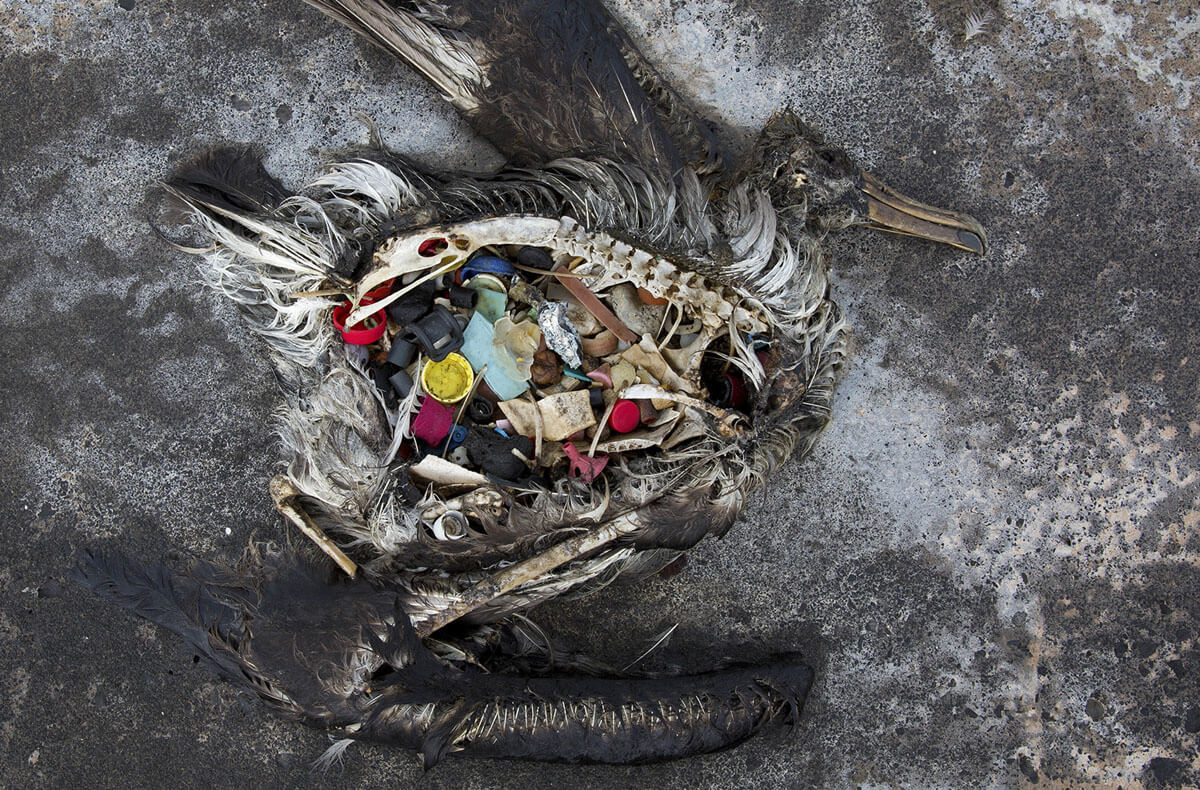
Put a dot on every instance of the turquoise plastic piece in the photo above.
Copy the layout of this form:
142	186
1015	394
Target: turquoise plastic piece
477	348
490	304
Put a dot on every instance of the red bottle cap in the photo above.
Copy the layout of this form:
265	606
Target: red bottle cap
363	333
625	416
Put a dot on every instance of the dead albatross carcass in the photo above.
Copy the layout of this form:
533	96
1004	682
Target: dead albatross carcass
504	389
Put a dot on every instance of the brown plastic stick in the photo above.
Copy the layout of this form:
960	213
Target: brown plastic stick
594	306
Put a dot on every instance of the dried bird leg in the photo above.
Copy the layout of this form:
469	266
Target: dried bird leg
284	493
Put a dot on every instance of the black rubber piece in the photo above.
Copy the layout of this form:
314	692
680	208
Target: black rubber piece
438	333
381	374
414	305
402	354
401	382
480	410
535	258
464	298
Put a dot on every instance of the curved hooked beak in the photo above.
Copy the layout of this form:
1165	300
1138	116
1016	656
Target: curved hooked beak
890	211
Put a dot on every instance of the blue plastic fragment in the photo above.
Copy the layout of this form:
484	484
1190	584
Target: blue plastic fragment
477	348
453	441
577	374
486	263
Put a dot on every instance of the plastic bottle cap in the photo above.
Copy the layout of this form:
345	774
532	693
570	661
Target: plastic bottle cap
363	333
625	416
448	381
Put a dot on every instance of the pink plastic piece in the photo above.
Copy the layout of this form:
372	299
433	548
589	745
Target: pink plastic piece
433	421
586	469
602	374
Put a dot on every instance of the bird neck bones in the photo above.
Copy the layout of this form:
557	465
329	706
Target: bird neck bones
606	261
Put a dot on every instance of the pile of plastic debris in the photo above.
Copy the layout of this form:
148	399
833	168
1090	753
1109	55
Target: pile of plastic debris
510	371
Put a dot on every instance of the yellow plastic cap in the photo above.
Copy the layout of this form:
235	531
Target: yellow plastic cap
448	381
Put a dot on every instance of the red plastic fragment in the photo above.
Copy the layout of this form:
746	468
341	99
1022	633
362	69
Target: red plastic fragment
737	389
585	468
431	247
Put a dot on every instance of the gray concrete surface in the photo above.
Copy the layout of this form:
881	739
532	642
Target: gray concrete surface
992	559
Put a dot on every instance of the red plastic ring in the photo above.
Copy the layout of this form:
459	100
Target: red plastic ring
737	390
364	333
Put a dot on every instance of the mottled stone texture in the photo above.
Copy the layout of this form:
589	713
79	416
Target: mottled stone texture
992	559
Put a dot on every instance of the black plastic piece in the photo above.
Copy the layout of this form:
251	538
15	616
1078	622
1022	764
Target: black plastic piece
492	453
403	352
438	333
414	305
401	382
464	298
535	258
480	410
380	373
596	397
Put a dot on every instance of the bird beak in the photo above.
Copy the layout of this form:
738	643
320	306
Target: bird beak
889	210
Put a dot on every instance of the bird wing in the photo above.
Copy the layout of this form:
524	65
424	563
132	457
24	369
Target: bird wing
542	79
341	655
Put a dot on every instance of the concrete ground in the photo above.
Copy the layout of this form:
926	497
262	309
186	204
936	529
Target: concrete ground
992	559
